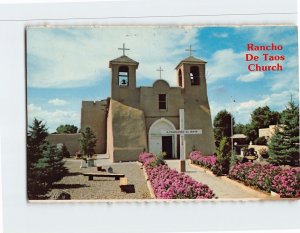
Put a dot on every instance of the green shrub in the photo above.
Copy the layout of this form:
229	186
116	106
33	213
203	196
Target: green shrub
88	142
223	154
65	152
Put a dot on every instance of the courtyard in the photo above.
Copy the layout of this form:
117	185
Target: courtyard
104	188
80	188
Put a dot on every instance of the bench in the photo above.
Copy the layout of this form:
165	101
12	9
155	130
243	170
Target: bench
116	176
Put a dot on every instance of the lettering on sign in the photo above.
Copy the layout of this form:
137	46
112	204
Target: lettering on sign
186	131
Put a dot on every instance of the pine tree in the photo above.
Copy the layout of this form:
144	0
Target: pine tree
223	154
44	162
284	145
88	142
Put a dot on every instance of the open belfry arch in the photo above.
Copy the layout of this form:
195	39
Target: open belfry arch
137	117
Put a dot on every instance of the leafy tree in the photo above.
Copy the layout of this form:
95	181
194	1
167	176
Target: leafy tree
239	128
262	117
44	162
250	132
88	142
66	129
284	145
222	126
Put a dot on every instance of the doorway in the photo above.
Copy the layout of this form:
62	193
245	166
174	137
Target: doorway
167	146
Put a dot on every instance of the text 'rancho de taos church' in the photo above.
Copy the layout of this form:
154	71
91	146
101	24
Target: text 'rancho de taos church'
134	118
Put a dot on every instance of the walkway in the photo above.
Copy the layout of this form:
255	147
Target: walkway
221	187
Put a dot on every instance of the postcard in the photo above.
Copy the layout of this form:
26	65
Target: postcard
162	113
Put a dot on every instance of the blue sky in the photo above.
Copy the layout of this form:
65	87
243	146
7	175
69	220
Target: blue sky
70	64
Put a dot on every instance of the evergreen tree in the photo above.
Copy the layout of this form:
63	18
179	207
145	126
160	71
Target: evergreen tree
284	145
223	153
88	142
44	162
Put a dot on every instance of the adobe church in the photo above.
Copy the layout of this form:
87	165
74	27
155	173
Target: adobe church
134	119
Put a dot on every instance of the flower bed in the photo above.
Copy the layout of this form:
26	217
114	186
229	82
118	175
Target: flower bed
269	178
209	161
170	184
205	161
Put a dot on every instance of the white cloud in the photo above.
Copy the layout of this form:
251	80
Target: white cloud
292	61
278	35
242	110
250	77
220	35
276	101
225	63
74	57
57	102
52	118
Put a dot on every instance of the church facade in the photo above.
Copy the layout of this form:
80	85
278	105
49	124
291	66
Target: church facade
135	119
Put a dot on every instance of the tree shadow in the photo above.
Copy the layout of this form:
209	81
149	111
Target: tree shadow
73	174
68	186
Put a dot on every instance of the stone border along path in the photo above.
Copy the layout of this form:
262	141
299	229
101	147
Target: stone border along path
223	188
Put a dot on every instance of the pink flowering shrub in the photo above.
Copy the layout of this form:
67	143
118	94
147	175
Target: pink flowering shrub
145	156
205	161
287	183
170	184
268	178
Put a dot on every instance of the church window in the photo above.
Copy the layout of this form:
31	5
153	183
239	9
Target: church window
180	78
194	75
123	76
162	101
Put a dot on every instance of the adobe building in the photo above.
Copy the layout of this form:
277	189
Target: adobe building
134	118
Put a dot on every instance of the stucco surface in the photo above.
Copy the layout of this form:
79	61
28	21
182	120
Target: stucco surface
128	132
71	141
93	115
132	111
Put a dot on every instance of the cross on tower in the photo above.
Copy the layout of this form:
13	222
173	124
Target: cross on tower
190	50
160	70
123	49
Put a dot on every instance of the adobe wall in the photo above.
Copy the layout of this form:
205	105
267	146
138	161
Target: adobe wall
93	115
109	133
198	116
149	103
71	141
197	111
128	130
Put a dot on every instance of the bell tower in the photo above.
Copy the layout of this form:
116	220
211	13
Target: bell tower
191	75
191	78
123	78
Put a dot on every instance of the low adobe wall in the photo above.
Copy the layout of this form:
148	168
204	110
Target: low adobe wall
71	141
126	154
